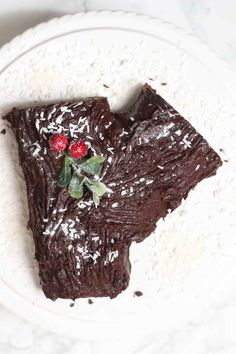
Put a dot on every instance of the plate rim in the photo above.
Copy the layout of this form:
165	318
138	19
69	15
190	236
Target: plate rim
208	53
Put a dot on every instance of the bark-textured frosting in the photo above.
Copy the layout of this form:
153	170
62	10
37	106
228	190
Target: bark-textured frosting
153	159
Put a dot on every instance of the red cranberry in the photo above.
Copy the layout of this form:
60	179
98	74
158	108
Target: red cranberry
58	142
77	149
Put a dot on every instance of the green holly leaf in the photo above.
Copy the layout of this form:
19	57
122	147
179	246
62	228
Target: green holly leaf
97	187
75	188
75	182
96	199
65	175
92	165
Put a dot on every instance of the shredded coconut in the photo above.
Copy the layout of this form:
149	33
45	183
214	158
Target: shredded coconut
185	142
178	132
37	149
112	255
108	125
110	149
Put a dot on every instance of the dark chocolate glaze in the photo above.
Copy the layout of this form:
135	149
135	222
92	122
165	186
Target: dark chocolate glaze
154	157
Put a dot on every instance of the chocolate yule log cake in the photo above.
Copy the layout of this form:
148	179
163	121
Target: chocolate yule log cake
98	181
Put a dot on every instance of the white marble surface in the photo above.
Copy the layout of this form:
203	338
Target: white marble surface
213	21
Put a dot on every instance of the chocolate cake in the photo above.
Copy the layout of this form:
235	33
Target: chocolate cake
153	158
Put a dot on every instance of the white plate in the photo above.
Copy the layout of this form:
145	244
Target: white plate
179	268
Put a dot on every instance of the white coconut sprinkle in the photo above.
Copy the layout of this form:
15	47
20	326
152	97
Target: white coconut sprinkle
112	255
61	210
185	142
37	149
56	226
69	229
43	130
77	263
51	230
59	119
64	109
37	124
81	205
110	149
71	223
78	104
178	132
108	125
51	113
164	130
92	256
95	238
124	132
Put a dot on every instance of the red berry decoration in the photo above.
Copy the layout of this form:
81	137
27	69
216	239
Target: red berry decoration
77	149
58	142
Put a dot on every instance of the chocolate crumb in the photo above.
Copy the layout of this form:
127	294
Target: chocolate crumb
3	131
105	86
72	304
90	301
138	293
150	79
221	150
164	83
226	160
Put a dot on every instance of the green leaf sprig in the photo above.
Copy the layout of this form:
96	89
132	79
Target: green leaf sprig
72	176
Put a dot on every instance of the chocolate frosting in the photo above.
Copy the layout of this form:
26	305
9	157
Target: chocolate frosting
154	157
